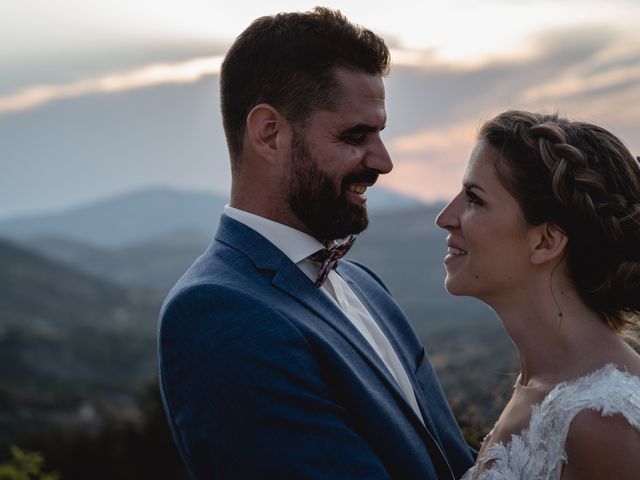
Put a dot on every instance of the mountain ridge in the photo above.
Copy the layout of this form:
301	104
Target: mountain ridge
141	215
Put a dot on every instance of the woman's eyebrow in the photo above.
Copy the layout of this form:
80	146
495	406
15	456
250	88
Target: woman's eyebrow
471	185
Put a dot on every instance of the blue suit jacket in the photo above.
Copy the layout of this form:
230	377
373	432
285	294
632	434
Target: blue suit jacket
262	376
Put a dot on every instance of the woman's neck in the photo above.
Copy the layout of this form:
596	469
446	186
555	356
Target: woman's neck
557	336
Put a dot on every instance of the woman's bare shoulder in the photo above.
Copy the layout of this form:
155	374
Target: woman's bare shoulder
602	447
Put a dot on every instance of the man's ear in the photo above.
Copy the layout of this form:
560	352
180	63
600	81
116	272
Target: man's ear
265	129
548	243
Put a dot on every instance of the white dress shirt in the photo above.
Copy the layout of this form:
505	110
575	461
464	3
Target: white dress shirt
297	246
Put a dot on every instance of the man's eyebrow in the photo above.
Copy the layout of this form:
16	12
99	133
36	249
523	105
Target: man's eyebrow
471	185
362	128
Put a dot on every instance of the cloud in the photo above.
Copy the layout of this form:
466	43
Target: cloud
614	65
434	140
188	71
423	180
99	144
152	75
429	164
586	73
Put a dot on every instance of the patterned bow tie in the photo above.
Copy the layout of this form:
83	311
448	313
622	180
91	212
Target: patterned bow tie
329	258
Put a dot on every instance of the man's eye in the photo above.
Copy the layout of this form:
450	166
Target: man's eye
355	139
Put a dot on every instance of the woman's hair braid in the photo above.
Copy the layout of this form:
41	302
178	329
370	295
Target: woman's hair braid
582	179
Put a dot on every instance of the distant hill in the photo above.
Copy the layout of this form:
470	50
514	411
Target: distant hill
404	247
32	287
68	338
125	219
145	214
380	200
153	264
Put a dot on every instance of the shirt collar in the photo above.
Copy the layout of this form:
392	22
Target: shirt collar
296	245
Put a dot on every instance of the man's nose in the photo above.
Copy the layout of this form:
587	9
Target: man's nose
378	158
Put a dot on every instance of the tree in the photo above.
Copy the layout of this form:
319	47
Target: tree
25	465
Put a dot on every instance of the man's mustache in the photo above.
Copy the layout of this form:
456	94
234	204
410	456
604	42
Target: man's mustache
366	176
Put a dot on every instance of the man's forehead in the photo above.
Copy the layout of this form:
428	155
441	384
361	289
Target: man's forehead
353	120
358	106
360	84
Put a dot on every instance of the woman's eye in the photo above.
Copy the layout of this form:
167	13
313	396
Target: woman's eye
473	198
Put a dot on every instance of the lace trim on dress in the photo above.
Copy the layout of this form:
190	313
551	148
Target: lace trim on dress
538	453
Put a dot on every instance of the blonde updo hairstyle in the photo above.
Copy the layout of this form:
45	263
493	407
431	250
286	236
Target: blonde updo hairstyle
582	179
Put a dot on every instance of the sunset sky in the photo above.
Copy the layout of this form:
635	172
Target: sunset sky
99	98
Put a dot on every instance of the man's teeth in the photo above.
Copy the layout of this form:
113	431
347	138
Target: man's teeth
358	188
456	251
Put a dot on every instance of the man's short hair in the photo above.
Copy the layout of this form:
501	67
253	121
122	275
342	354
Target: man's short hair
288	61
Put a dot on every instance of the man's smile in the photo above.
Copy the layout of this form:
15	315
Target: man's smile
358	188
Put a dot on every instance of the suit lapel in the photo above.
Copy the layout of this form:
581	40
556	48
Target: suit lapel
389	330
291	280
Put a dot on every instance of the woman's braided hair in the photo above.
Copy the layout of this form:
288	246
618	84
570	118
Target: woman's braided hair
582	179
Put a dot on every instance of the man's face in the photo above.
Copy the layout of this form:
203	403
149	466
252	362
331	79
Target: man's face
336	157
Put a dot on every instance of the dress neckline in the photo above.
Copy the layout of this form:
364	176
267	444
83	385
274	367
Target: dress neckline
609	367
501	451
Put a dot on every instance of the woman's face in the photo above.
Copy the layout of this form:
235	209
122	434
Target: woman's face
488	244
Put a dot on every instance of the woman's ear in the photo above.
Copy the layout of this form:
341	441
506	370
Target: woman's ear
265	128
548	243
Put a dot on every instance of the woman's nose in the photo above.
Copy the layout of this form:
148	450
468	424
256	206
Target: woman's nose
448	218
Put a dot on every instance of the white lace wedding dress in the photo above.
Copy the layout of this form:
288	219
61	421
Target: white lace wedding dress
538	453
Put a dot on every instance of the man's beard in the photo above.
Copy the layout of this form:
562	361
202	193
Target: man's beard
315	199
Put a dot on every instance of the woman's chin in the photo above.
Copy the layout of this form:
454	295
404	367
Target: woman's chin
455	287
